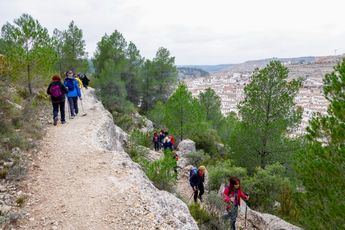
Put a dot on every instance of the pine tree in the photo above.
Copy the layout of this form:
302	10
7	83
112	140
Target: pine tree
268	112
70	47
28	48
183	113
211	104
321	165
110	48
159	78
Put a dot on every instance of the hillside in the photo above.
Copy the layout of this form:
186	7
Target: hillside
189	72
82	178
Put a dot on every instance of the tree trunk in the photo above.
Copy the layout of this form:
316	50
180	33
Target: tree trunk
262	160
181	122
29	79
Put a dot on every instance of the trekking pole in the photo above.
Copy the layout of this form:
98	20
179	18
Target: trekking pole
68	110
245	214
81	102
245	218
191	197
82	107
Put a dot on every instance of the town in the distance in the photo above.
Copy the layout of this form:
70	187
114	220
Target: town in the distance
229	81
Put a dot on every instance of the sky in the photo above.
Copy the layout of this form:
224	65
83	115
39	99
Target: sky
199	31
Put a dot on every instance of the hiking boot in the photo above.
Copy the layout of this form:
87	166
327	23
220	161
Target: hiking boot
63	122
200	198
55	121
73	116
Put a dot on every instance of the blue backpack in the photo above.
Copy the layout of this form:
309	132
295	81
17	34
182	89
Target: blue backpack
70	84
193	172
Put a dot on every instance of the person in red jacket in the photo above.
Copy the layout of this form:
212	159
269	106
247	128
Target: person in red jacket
172	140
233	195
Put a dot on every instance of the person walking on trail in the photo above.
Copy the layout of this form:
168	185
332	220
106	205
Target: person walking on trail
73	93
232	196
167	142
57	92
155	141
80	83
161	139
84	80
196	181
172	140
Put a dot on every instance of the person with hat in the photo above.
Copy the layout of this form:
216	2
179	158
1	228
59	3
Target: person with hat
73	93
57	92
196	180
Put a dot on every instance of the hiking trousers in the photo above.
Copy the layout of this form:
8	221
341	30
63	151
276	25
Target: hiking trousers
73	105
232	216
199	192
56	107
156	145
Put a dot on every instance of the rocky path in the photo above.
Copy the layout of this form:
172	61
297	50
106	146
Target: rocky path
82	179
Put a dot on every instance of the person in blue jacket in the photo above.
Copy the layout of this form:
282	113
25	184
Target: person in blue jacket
73	92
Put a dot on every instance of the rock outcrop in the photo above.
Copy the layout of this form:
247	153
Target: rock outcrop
257	220
186	146
162	209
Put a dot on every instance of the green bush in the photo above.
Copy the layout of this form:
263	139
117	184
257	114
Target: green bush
161	172
124	121
197	158
199	213
138	154
215	202
141	138
207	140
221	172
266	187
3	173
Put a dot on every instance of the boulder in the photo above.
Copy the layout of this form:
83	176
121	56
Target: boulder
259	220
145	125
186	146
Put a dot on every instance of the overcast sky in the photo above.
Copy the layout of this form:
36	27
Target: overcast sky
199	31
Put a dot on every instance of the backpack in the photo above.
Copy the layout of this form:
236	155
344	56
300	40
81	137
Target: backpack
70	85
193	172
55	91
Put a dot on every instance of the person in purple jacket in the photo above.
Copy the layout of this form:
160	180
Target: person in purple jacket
73	93
57	92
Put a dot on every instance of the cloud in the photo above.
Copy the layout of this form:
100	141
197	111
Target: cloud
199	31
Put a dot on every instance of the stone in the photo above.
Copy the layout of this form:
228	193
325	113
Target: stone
16	151
186	146
5	209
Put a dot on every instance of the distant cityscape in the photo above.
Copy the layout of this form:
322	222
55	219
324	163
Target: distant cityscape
229	83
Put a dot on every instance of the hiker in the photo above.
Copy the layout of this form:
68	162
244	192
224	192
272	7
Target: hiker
84	80
57	92
73	93
161	139
233	195
167	142
172	140
196	181
155	141
80	83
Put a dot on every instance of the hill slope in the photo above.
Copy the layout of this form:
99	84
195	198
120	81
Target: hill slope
83	179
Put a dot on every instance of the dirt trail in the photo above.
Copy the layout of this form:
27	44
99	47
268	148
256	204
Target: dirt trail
72	186
77	183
